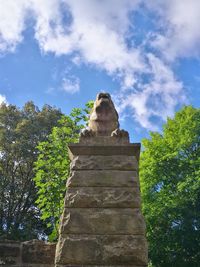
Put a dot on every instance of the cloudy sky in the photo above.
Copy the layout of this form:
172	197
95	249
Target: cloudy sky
146	54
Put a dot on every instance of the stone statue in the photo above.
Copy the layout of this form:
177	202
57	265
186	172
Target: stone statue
103	120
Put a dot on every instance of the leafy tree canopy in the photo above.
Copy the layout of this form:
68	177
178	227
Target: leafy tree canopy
170	185
53	165
20	132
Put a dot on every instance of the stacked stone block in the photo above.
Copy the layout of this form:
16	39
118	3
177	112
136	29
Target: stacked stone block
33	253
102	224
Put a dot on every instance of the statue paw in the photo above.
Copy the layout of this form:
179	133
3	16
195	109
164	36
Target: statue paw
86	133
121	135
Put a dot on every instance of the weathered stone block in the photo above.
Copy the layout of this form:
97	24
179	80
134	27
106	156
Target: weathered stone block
104	145
100	178
115	162
102	221
126	249
102	250
94	197
9	253
78	250
11	249
38	252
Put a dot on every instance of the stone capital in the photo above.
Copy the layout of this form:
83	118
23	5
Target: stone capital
104	149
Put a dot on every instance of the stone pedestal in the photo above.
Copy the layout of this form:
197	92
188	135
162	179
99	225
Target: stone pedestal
102	224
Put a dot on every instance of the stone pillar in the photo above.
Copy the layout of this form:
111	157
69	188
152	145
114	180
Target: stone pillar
102	224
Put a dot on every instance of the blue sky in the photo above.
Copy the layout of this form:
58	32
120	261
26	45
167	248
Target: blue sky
63	52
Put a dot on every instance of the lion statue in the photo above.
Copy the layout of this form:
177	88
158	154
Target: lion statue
103	119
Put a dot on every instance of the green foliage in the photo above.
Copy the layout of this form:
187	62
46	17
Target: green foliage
20	132
170	185
52	166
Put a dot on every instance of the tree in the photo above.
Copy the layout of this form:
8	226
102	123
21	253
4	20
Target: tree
20	132
170	186
53	165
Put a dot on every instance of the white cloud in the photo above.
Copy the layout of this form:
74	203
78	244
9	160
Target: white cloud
3	99
71	84
179	28
158	98
98	28
12	16
96	32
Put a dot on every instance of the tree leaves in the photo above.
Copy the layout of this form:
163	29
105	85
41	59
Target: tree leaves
53	165
170	186
20	132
